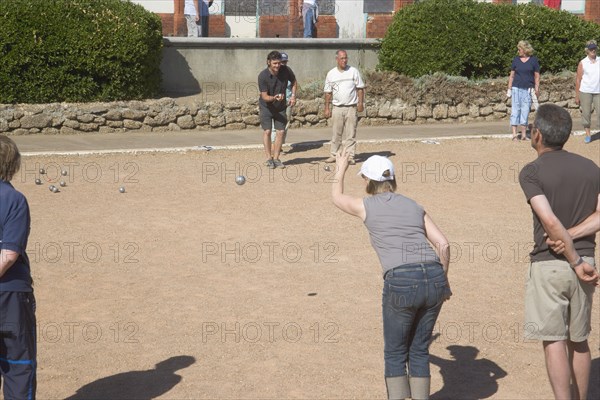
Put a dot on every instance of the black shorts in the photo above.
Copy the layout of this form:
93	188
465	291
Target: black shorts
269	115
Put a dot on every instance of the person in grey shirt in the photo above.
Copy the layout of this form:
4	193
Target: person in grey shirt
414	255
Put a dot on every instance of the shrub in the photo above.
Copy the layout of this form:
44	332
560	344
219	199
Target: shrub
78	50
479	40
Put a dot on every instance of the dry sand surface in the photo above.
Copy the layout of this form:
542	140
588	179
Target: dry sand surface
188	286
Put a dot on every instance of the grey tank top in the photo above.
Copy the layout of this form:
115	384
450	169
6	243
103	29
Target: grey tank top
396	226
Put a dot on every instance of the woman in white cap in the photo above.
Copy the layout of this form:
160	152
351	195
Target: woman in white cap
414	255
587	87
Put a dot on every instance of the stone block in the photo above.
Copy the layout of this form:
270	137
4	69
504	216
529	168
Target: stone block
440	111
133	114
85	118
131	124
186	122
113	115
253	120
69	123
36	121
424	111
217	121
203	117
409	113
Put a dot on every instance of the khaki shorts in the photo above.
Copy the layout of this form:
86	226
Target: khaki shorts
557	305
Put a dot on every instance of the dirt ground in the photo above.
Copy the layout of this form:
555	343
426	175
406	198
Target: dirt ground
188	286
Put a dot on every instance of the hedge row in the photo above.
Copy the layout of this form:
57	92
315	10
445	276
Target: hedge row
478	40
78	50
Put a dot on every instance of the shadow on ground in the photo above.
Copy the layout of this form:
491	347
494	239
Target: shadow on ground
305	146
465	376
299	148
594	387
139	385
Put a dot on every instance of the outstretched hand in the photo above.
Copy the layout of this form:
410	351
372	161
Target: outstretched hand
341	161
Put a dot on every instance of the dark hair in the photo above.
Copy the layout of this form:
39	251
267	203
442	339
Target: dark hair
10	158
554	123
274	55
376	187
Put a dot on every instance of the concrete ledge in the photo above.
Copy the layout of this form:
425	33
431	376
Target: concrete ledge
276	43
191	65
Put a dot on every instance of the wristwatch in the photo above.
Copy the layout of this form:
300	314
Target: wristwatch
577	263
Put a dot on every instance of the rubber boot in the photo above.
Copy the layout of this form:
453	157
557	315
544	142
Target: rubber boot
419	387
397	387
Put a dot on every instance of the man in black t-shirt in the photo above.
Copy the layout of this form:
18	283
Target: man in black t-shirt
563	190
272	84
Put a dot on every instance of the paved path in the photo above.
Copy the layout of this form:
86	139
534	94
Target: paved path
150	141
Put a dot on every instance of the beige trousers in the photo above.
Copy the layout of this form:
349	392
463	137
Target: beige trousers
587	101
345	120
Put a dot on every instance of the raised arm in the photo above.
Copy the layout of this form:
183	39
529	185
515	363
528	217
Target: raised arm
348	204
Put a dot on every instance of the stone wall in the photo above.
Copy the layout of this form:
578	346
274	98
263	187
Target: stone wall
167	115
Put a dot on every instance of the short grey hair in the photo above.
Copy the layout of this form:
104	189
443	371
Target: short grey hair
554	123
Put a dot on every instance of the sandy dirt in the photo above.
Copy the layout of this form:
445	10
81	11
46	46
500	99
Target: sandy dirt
188	286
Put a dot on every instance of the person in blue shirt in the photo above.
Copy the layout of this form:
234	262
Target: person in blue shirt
523	83
17	318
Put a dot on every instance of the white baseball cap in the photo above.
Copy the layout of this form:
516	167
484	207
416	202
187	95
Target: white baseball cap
374	168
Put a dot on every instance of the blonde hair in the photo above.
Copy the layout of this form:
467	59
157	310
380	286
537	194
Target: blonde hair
587	51
10	158
526	47
376	187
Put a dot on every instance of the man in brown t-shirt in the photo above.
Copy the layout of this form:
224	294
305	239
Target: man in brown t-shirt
563	190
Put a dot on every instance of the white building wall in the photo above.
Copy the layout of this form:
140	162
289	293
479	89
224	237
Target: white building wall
350	19
240	26
574	6
157	6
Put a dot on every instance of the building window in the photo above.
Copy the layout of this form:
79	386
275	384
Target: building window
241	8
327	7
274	7
246	8
378	6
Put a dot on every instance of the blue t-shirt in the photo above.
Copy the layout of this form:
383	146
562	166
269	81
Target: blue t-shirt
14	232
524	72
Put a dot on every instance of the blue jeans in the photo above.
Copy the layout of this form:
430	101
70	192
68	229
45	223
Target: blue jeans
412	299
521	105
309	17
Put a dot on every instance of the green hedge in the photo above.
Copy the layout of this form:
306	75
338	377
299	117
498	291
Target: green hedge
78	51
479	40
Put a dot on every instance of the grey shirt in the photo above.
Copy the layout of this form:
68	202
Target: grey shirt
396	225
